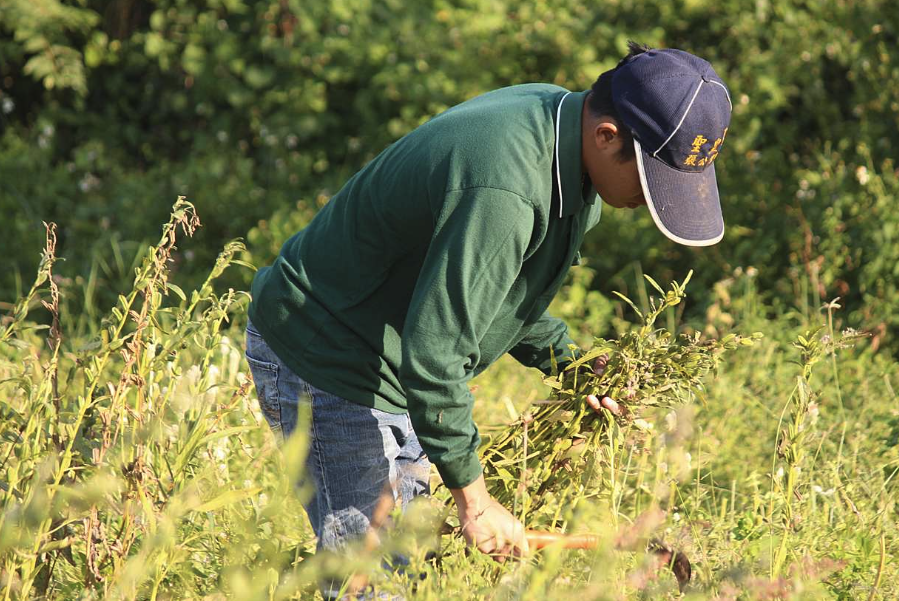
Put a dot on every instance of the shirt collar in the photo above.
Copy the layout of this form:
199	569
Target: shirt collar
567	169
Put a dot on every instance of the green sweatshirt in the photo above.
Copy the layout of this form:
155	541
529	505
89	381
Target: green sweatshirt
434	260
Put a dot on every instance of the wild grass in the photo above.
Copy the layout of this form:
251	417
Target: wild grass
134	463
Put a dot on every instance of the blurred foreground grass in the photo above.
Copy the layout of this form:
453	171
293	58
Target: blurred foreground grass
134	464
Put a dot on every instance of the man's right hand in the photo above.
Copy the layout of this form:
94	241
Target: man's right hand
488	525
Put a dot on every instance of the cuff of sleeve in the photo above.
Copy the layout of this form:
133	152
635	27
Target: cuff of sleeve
461	472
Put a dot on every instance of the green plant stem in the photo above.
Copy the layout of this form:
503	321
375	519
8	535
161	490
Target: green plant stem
833	360
880	565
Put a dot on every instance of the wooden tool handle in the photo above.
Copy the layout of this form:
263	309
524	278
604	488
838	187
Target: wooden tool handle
538	539
676	560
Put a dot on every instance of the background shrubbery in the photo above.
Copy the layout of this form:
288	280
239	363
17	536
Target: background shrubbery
133	459
258	111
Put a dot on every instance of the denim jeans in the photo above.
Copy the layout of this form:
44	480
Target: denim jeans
354	450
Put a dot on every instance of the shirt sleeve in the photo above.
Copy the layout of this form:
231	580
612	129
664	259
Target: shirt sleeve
546	339
473	259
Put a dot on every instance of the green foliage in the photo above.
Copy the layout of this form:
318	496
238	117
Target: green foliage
586	310
134	463
41	34
106	442
811	120
257	107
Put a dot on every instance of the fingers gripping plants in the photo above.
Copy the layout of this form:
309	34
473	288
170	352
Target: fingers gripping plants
556	453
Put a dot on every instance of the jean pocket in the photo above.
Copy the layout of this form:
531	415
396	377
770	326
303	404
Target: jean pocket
265	377
251	330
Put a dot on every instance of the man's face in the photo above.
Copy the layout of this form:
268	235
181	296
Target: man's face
618	183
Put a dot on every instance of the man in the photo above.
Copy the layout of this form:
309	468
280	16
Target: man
443	253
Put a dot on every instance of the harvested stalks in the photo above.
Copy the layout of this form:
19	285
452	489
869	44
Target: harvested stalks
556	446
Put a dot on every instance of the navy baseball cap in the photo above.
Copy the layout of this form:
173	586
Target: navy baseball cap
678	110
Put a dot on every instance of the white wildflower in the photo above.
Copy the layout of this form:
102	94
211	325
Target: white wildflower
824	493
193	374
861	174
671	421
220	451
234	357
46	135
813	412
89	182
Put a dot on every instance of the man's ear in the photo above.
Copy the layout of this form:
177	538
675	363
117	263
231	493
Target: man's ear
605	134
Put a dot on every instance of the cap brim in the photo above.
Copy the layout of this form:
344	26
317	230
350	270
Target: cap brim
684	205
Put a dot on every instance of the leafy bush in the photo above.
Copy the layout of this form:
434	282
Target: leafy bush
253	107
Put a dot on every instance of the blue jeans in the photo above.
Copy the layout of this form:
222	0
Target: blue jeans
355	451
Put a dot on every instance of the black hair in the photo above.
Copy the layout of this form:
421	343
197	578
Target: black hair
600	101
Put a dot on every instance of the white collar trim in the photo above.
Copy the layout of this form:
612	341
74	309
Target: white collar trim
558	171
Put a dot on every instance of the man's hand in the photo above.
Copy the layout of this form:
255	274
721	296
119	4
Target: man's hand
488	525
607	403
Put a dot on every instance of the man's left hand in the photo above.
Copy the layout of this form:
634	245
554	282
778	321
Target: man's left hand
605	403
598	404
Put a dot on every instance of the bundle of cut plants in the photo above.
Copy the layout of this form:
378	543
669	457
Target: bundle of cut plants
552	456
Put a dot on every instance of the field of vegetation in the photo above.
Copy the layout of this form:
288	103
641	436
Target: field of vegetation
136	464
134	460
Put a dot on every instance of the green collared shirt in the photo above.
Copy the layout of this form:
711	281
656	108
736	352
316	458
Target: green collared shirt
434	260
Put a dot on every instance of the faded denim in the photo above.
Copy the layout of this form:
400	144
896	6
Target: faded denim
354	450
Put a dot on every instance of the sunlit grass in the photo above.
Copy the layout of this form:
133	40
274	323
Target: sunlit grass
134	464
